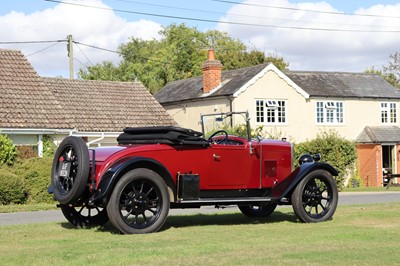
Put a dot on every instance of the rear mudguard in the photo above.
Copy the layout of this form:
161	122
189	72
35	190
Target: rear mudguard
285	188
119	168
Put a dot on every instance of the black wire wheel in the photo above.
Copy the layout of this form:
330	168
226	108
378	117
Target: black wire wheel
258	211
85	216
315	197
139	203
70	170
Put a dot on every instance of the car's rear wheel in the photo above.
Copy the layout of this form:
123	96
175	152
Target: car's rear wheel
139	203
70	170
85	216
262	210
315	197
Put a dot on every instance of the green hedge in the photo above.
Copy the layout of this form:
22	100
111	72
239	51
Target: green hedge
26	181
334	149
12	188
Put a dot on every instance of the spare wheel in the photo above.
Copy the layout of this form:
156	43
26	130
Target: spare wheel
70	170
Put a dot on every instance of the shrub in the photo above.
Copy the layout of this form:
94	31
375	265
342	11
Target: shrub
36	173
8	152
355	181
49	147
26	181
25	152
12	188
335	150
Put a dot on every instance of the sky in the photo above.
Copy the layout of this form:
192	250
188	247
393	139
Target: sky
330	35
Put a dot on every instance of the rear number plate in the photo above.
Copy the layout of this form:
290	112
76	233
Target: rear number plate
65	168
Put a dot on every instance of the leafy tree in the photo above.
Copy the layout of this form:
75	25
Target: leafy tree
103	71
179	54
390	73
393	69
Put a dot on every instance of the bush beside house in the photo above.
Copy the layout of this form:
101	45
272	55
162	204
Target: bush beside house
334	149
23	179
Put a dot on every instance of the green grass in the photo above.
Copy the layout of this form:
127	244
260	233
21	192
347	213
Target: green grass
358	235
371	189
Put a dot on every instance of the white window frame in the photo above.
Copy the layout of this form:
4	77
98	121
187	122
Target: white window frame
390	108
329	113
264	107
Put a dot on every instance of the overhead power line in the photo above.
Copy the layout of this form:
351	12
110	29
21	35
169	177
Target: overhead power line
306	10
247	16
41	50
116	52
224	22
31	42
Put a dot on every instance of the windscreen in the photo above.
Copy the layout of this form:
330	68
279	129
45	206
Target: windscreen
233	123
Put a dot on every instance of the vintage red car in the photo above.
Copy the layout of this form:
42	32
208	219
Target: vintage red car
154	169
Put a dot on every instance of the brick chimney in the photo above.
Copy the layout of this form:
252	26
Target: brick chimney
211	72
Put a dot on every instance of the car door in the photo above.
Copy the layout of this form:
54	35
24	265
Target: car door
232	166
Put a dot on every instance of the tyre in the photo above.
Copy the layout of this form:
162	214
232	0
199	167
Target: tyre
84	216
70	170
315	198
258	211
139	202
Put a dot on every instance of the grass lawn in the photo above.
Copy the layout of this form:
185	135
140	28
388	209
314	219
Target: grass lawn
358	235
371	189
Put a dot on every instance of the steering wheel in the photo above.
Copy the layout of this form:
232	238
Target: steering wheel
219	141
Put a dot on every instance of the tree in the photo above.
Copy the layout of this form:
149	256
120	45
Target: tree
390	73
393	69
179	54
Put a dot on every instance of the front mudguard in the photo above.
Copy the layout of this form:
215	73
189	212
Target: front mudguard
285	188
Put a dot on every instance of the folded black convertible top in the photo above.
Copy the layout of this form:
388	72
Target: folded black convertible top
161	134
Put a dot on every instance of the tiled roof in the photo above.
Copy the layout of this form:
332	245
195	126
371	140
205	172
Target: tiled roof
108	105
379	134
315	84
29	101
25	101
192	88
343	85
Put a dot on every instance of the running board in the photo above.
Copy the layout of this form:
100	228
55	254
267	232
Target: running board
227	200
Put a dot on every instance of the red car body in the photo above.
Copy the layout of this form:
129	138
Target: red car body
135	182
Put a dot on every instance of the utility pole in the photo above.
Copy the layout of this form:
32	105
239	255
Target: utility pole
71	57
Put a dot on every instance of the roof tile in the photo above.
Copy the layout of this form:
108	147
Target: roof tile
29	101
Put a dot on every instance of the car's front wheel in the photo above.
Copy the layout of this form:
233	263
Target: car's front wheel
139	203
258	211
315	198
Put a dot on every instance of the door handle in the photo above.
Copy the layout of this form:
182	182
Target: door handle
216	157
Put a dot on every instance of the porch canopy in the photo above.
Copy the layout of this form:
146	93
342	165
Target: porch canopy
379	134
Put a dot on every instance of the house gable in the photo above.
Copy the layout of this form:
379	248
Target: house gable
261	74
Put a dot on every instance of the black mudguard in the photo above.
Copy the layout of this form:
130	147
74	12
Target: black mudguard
119	168
285	188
